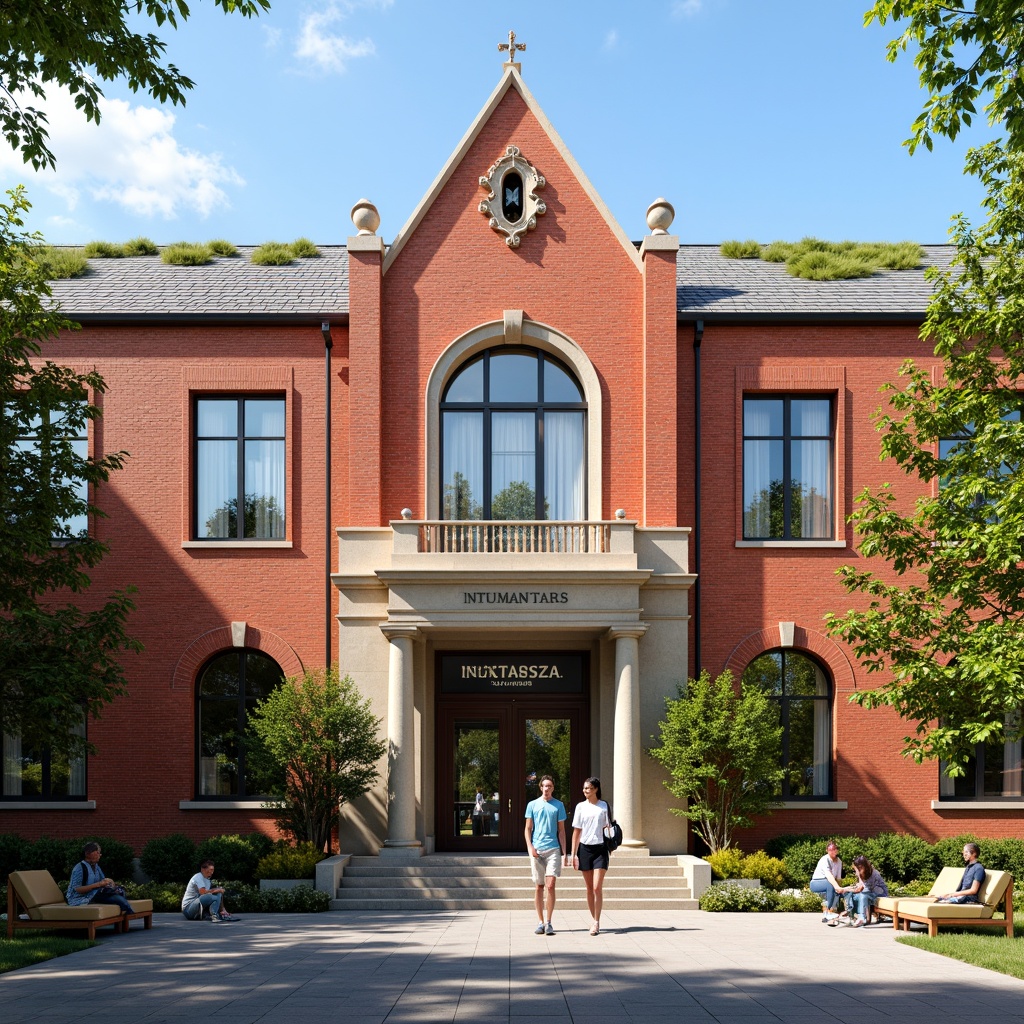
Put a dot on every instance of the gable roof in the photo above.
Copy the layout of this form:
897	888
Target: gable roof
510	80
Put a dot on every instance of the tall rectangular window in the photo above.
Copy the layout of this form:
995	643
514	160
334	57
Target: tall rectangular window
995	772
788	490
31	774
240	461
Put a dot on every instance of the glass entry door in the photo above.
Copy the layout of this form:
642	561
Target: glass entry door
491	761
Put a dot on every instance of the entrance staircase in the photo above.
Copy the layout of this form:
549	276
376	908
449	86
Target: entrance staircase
635	881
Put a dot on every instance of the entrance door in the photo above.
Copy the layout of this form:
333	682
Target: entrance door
492	755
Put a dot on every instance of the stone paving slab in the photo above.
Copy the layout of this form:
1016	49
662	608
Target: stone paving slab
475	966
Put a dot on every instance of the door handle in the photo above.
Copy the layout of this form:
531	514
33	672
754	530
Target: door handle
510	805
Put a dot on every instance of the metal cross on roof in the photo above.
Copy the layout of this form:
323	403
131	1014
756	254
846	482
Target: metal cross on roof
511	46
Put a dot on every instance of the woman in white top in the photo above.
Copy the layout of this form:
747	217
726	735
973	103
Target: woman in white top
825	882
589	852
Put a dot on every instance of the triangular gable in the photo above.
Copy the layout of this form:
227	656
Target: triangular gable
510	80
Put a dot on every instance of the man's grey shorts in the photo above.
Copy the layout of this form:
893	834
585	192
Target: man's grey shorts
548	863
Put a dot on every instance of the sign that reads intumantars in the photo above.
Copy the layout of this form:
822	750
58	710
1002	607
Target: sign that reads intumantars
512	673
511	597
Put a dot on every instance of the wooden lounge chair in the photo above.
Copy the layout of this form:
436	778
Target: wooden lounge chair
996	892
36	894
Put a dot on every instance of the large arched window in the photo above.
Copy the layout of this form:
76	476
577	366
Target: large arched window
513	439
228	688
804	694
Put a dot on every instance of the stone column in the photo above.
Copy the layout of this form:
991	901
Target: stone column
401	838
627	752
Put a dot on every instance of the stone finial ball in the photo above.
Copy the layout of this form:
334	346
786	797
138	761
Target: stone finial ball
660	215
365	217
620	513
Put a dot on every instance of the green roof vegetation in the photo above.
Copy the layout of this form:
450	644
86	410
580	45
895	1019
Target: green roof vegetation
305	249
140	246
186	254
817	260
272	254
60	263
221	247
104	250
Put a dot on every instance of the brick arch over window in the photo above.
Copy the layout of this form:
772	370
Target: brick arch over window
519	331
829	653
222	639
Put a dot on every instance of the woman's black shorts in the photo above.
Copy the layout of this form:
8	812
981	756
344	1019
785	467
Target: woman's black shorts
592	856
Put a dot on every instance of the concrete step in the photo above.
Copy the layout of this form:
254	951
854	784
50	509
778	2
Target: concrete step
568	880
506	892
521	869
569	903
504	859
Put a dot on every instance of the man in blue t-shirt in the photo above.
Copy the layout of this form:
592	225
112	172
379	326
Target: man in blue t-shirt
973	878
545	842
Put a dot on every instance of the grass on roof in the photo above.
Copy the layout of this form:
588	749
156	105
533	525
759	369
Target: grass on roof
140	246
104	250
818	260
186	254
272	254
305	249
58	264
221	247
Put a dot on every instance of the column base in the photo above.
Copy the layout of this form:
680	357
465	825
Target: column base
401	850
633	846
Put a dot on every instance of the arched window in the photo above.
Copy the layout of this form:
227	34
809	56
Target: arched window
804	694
513	439
228	688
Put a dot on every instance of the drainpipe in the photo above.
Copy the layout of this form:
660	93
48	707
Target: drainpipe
325	330
698	337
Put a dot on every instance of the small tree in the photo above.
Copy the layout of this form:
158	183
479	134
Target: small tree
322	736
723	753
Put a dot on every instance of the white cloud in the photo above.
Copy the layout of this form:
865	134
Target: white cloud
611	39
685	8
271	36
131	159
325	49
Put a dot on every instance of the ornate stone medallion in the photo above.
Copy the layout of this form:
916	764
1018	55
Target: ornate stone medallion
512	205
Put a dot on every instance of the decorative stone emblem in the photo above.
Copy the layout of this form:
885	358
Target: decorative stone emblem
512	204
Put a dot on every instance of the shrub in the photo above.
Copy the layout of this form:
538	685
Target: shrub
221	247
60	264
54	855
272	254
781	845
900	857
232	856
1003	855
917	887
802	858
166	897
260	843
104	250
170	858
949	851
186	254
11	847
771	870
735	899
140	246
116	860
305	249
726	863
288	861
736	250
798	901
303	899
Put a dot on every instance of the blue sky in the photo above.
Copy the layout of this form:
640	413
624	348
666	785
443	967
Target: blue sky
755	119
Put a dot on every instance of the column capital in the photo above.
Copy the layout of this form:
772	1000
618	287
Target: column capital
633	629
397	630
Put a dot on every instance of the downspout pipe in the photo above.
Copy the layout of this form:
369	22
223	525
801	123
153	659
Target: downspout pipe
325	330
698	337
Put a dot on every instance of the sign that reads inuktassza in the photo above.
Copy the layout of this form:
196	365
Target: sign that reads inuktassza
512	673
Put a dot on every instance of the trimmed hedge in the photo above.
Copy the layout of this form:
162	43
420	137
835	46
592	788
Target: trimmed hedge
170	858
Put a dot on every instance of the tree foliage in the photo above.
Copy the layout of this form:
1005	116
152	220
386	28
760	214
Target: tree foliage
57	661
947	623
323	736
74	45
723	754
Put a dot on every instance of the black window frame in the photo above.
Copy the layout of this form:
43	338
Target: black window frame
46	781
486	407
976	770
787	437
784	701
241	699
240	437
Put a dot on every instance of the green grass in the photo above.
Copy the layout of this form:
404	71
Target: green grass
272	254
60	263
104	250
30	947
186	254
221	247
140	246
995	952
818	260
305	248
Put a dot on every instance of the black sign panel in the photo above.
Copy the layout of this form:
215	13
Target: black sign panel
512	672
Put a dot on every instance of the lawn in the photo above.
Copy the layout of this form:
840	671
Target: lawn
28	948
994	952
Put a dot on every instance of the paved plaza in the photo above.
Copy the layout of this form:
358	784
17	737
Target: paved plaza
357	968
